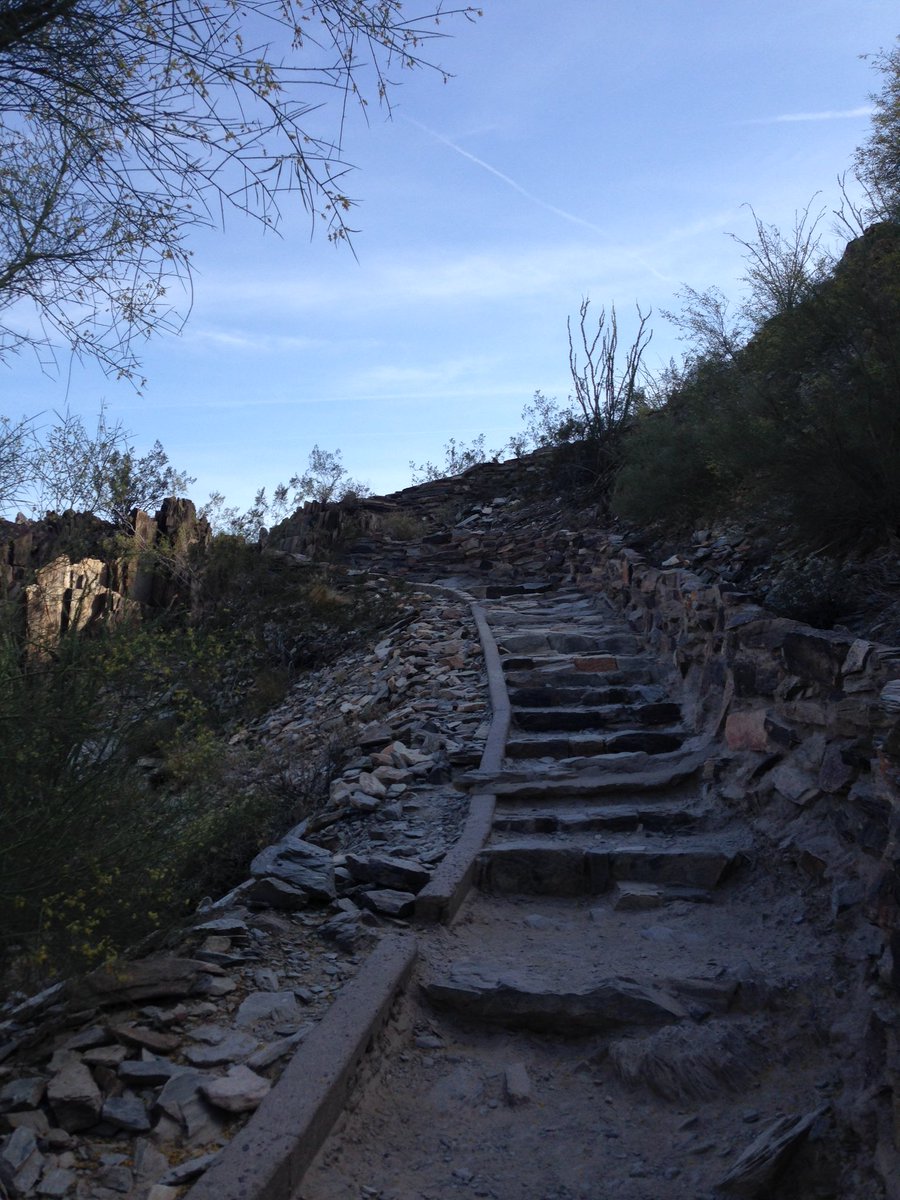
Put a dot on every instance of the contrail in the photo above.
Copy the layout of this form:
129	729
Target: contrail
517	187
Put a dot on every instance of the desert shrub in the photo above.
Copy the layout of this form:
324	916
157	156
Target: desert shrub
403	527
97	851
817	591
83	862
801	426
679	458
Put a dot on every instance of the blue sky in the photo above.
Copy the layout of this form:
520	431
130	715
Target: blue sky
599	148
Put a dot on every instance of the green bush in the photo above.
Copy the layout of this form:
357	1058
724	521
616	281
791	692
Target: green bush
800	427
96	852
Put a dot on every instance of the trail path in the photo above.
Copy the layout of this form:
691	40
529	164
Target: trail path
632	1003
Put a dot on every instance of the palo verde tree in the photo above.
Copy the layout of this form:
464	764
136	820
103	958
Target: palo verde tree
126	123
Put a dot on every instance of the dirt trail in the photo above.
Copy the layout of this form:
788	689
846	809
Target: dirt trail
632	998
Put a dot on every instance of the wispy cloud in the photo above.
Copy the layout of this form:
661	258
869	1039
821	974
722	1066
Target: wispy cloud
248	341
397	284
844	114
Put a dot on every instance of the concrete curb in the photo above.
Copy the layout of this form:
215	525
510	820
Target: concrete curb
492	758
440	899
269	1157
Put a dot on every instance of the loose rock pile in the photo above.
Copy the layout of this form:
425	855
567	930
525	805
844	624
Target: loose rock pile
125	1084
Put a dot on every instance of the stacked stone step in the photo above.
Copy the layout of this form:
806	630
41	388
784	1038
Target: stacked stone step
584	700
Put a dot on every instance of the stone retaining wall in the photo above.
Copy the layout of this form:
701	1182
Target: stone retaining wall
809	722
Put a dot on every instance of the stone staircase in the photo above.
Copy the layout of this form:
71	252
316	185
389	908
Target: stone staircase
617	944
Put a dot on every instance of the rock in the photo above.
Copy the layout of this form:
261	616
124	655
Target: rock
371	785
266	979
33	1119
164	1191
758	1165
299	864
792	782
267	1006
402	874
57	1182
187	1171
110	1057
275	893
21	1162
22	1093
126	1112
87	1039
149	1163
137	982
634	897
390	902
183	1101
232	1048
517	1084
266	1055
241	1090
117	1177
757	730
145	1039
74	1097
152	1072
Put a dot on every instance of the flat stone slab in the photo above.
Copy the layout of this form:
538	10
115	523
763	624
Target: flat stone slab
517	1002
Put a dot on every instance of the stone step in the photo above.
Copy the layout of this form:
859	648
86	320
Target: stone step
497	590
545	696
516	1001
562	618
661	818
631	896
557	868
561	642
574	671
599	716
625	773
593	745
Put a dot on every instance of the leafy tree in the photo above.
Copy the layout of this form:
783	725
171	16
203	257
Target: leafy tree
546	424
458	457
782	269
98	472
15	461
877	161
707	323
126	123
325	479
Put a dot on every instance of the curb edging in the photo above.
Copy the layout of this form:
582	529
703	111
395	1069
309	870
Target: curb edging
440	899
273	1151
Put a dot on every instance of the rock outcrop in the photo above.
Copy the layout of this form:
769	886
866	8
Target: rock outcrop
75	571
